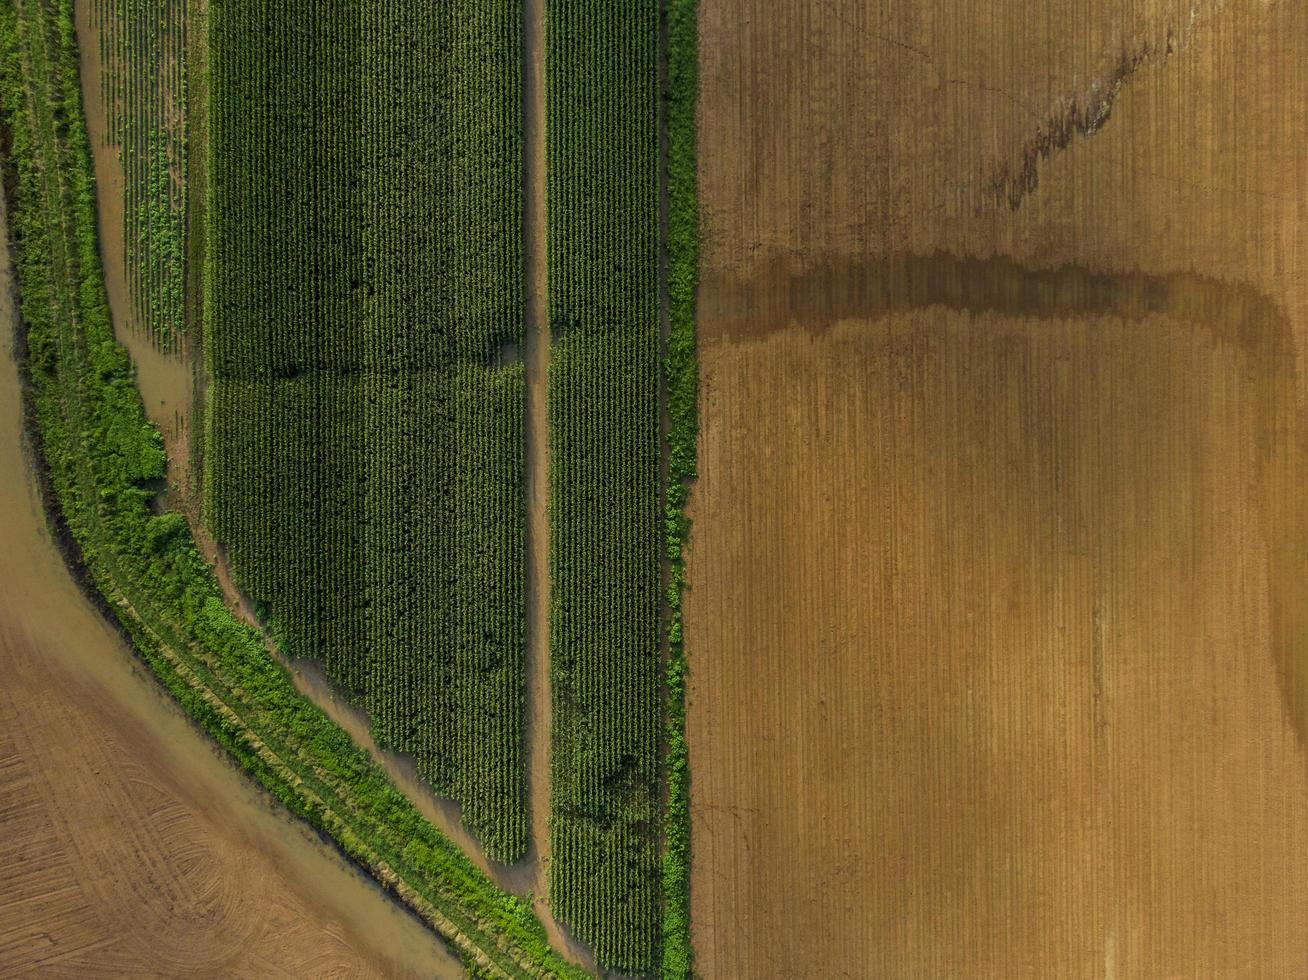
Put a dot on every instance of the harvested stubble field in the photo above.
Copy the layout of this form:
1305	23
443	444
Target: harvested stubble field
997	615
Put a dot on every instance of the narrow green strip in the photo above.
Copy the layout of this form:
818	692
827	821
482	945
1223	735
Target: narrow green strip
683	388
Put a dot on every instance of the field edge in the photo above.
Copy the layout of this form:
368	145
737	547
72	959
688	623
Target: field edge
682	383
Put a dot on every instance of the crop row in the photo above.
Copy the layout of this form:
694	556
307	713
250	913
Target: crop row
606	523
365	304
142	48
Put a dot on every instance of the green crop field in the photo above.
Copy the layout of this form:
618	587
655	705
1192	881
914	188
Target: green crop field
365	448
326	210
100	457
602	168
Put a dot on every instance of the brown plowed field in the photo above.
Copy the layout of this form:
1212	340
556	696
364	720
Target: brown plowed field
998	619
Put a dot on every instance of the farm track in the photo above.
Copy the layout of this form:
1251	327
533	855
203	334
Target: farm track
997	572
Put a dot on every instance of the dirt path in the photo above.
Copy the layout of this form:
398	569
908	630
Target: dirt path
130	847
538	447
537	361
997	595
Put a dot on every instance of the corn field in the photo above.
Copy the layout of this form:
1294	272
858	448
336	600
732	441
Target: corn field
602	167
365	307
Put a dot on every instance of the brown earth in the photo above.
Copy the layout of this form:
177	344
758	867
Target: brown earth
128	846
998	618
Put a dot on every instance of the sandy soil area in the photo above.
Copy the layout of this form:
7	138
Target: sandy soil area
997	613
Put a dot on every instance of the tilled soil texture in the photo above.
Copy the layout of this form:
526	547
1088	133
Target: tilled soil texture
128	846
998	606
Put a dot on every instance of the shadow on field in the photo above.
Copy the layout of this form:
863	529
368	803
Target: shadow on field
1257	332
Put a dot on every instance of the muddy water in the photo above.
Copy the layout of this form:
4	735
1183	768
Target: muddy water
56	644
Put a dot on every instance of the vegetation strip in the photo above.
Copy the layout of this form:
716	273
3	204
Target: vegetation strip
101	459
682	379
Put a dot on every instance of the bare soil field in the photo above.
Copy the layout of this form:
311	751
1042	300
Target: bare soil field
998	615
128	846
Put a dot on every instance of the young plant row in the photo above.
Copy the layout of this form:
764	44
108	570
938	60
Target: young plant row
606	525
365	305
142	50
